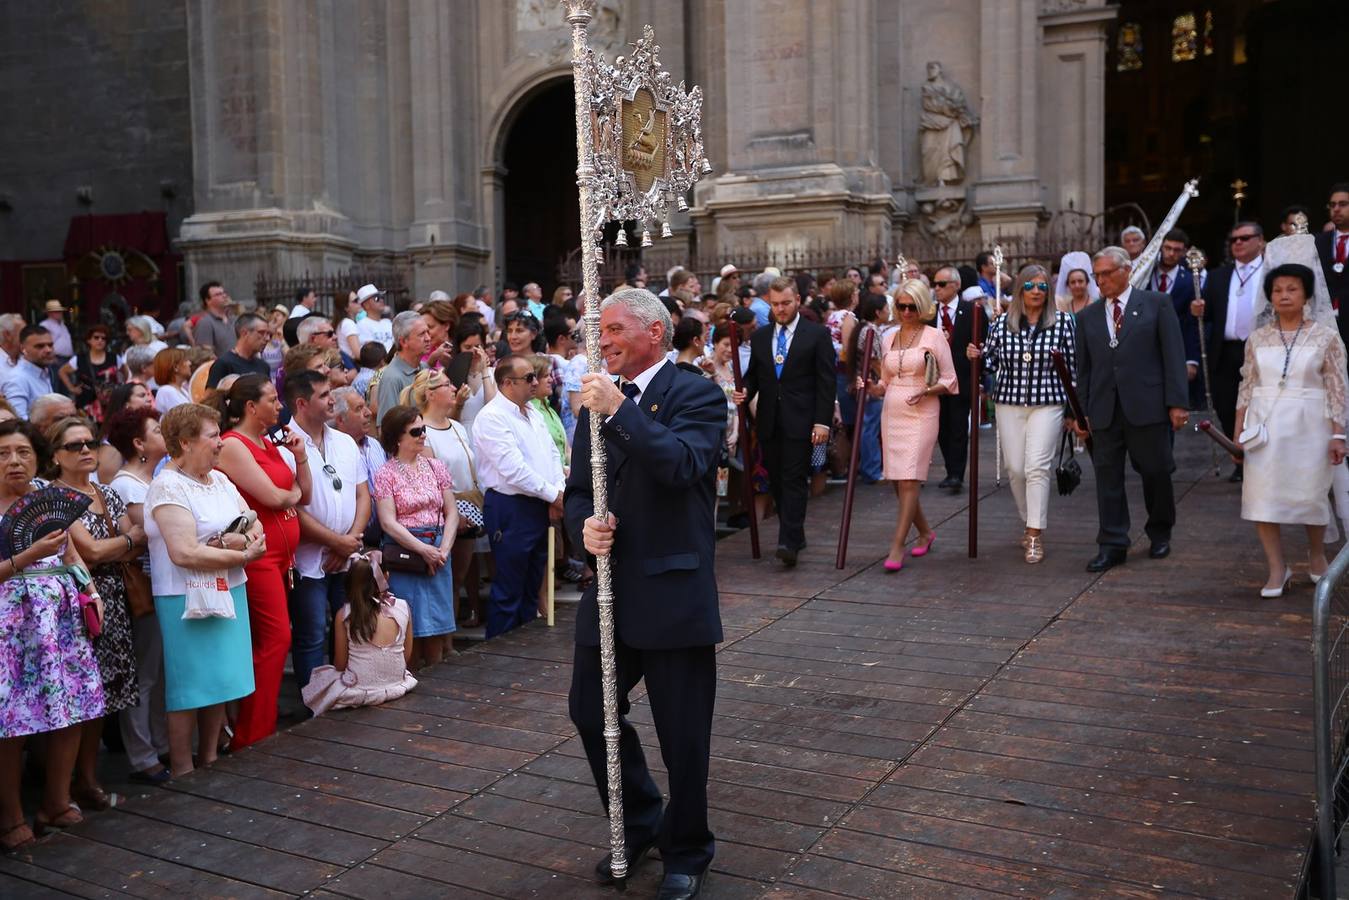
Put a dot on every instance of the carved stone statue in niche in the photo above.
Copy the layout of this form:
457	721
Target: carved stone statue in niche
946	127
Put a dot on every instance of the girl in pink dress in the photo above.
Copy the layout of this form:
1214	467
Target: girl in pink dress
371	649
909	415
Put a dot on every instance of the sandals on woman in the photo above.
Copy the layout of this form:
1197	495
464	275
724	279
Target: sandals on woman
12	846
67	819
95	799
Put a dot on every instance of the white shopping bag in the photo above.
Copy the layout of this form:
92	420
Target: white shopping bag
208	596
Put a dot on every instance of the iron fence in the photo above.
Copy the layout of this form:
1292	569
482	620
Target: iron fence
332	289
1330	692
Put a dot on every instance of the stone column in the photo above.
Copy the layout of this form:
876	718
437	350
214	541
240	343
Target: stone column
1073	60
1007	195
258	145
446	239
800	128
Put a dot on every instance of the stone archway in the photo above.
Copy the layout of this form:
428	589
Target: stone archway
534	183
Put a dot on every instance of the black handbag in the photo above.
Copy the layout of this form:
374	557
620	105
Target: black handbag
1067	473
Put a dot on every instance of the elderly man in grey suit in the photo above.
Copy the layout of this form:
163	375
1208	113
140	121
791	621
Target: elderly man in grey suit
1131	380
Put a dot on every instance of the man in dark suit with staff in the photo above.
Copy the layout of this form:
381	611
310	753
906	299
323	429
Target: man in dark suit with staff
663	435
1131	381
791	371
1332	246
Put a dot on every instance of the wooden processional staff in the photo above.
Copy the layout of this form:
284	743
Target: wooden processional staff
639	150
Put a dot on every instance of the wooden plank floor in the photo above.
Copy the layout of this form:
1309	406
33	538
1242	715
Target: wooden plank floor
960	729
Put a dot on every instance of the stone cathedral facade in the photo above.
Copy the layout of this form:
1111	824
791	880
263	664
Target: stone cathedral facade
318	134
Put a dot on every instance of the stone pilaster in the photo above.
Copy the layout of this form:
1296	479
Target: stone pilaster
258	155
1073	59
800	128
1007	194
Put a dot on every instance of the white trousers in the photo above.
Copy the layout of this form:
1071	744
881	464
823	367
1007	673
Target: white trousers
1030	439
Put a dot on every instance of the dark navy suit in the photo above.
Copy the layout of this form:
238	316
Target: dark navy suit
1180	287
1127	391
662	469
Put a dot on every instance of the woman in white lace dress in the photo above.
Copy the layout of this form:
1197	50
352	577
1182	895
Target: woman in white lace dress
1290	422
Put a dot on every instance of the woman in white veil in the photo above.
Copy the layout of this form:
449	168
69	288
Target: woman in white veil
1069	298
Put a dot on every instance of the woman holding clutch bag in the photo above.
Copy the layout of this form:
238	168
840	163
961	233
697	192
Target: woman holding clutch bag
916	369
1028	394
45	635
1291	422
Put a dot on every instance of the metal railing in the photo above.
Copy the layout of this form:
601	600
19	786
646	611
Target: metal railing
1330	692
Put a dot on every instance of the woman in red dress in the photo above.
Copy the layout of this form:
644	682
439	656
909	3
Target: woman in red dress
268	480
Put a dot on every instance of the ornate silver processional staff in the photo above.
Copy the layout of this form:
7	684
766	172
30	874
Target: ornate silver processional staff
639	150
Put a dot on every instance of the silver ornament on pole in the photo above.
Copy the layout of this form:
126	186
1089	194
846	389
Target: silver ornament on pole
639	142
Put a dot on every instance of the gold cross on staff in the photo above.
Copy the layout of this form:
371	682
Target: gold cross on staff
1239	190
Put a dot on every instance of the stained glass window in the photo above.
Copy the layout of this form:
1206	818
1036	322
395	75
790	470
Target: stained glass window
1129	47
1184	38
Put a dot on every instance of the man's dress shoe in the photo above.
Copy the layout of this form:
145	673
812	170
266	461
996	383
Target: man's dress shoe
1107	559
677	886
1160	549
636	855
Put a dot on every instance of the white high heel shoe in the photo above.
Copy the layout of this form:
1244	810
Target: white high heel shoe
1316	579
1270	593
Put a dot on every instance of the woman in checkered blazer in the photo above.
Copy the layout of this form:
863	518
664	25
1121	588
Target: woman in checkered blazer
1028	394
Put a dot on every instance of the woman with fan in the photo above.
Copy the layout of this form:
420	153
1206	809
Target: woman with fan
190	516
105	538
273	485
46	634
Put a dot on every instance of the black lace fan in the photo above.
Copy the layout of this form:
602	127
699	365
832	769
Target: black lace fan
37	514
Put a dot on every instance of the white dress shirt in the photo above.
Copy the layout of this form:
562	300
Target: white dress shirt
1241	293
333	509
1110	311
514	451
791	333
645	377
1172	274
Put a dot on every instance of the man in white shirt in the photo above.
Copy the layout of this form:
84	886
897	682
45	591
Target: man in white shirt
331	524
521	474
62	346
1228	301
374	327
305	300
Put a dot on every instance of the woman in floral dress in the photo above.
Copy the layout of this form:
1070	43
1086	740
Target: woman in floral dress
49	680
105	538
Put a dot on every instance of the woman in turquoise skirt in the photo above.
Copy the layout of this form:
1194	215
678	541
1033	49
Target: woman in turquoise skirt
208	660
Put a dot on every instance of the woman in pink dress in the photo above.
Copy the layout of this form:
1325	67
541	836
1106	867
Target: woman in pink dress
909	415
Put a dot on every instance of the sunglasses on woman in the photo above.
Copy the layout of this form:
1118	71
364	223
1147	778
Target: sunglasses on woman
906	307
77	446
523	315
1042	286
419	431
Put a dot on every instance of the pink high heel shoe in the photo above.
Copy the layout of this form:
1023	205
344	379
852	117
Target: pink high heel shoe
891	566
922	551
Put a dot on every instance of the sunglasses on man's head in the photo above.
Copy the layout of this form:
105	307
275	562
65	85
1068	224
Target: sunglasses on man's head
1035	286
77	446
419	431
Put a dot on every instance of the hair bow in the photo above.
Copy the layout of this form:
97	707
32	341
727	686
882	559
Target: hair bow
373	557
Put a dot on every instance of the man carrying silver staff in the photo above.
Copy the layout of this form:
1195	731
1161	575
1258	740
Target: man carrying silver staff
663	434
